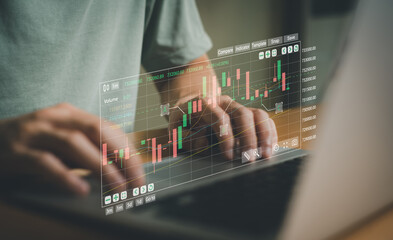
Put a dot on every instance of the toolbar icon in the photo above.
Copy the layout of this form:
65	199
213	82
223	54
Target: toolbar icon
276	147
267	54
164	109
115	197
296	48
123	195
119	207
143	189
279	108
130	204
108	210
135	192
274	52
290	49
251	154
261	55
108	200
150	187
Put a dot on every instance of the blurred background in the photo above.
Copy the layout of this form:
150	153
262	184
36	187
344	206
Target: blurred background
320	23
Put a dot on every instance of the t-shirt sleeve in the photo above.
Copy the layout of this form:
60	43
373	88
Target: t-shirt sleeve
174	34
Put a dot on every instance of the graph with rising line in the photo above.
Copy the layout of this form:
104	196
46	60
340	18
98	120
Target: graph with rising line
267	78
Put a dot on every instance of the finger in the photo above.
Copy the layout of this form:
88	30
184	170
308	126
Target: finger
265	131
195	140
133	167
220	122
77	149
65	115
243	119
194	132
275	134
57	173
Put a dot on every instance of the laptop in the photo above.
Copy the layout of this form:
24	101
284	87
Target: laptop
293	195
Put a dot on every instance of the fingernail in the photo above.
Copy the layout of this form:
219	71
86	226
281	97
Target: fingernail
81	187
84	187
229	154
268	151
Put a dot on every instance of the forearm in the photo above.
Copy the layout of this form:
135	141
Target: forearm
183	87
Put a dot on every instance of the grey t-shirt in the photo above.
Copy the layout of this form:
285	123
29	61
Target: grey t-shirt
58	51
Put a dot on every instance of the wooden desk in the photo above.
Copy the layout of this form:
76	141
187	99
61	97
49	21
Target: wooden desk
380	227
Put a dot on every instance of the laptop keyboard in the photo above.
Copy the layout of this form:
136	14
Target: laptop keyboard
254	203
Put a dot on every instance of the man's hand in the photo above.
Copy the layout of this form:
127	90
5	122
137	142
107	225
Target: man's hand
250	127
45	144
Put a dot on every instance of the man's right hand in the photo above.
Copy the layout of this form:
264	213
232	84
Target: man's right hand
49	142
